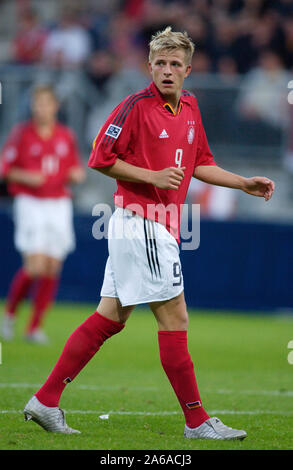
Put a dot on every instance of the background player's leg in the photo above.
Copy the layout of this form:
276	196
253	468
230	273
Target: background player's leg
81	346
34	267
172	321
47	272
18	290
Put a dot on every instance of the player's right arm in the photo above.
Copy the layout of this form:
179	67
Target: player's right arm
168	178
112	145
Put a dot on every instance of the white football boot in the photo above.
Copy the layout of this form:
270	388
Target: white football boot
37	337
7	327
213	428
52	419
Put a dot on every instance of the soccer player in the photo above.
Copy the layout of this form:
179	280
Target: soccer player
39	160
153	143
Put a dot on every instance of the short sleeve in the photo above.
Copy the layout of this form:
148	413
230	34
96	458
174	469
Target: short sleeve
113	139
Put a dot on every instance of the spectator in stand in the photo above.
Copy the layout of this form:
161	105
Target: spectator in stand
29	42
227	68
198	29
134	8
263	97
69	45
283	7
201	63
157	16
288	42
100	67
224	33
121	38
267	33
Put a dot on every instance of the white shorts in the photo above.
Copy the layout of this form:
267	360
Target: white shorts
43	226
143	264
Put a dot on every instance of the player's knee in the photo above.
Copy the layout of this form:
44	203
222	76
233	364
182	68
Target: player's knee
34	271
177	322
112	309
37	270
52	271
122	314
183	322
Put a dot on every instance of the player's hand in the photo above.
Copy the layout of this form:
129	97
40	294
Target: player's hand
76	175
259	186
34	179
168	178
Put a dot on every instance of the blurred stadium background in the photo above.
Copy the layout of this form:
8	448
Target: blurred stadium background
94	52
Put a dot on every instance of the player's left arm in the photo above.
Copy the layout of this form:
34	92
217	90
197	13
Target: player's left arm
256	186
76	172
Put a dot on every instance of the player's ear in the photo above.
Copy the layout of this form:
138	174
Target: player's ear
150	67
188	70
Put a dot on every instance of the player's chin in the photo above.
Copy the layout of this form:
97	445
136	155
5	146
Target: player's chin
167	89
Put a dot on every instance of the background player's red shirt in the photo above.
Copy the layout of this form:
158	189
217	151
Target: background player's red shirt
144	131
54	157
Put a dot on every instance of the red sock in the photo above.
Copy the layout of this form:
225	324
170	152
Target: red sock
80	347
179	369
44	295
19	288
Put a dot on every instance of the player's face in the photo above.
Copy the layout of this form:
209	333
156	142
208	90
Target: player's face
44	108
169	70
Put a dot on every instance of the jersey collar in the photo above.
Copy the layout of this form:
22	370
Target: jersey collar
166	105
171	110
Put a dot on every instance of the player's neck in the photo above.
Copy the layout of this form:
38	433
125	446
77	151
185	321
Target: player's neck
45	129
173	101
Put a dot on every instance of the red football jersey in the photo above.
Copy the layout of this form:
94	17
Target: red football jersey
144	131
26	149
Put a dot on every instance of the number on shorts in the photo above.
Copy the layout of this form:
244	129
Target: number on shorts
177	274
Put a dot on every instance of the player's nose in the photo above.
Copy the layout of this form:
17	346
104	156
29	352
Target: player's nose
167	70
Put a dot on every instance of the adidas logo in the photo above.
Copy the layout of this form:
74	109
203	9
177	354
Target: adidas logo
163	134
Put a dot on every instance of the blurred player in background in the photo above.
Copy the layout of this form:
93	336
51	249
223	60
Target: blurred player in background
39	160
153	143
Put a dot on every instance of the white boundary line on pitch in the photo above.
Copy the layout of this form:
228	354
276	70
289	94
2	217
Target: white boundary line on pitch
81	387
163	413
277	393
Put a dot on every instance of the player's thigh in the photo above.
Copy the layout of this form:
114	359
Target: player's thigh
110	307
171	314
53	266
144	261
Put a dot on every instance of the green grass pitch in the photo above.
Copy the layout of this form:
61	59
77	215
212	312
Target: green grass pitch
241	364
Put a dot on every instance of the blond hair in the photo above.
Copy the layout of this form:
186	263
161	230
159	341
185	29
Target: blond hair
171	40
44	88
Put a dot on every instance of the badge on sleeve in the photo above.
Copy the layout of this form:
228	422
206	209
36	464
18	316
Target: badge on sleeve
113	131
